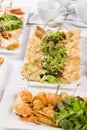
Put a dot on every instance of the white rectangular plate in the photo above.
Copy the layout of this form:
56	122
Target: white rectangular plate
83	67
10	120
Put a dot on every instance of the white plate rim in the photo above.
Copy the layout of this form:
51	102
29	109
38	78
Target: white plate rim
75	21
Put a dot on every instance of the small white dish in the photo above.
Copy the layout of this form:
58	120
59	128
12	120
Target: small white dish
48	10
71	7
75	21
81	9
36	18
63	3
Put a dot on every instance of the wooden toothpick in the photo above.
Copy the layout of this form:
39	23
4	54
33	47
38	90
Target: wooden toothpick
58	87
76	88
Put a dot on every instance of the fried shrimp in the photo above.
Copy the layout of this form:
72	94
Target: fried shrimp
45	107
49	111
52	98
41	96
23	109
38	108
25	96
37	104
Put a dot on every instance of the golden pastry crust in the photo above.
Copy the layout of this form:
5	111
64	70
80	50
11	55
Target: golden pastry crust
22	109
32	67
25	96
13	45
39	32
1	60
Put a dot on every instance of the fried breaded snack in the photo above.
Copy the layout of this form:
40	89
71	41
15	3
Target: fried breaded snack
24	96
10	34
1	60
22	109
13	45
36	108
17	11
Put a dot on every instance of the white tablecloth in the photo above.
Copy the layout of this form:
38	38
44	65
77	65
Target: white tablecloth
31	4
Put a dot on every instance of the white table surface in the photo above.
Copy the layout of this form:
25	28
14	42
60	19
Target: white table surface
15	61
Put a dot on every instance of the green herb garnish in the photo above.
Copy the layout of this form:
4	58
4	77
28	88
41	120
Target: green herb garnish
10	22
54	56
71	114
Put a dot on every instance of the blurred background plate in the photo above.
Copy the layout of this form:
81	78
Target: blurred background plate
75	21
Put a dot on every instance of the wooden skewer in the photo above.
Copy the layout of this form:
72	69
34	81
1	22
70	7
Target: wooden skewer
76	88
58	87
10	4
42	113
51	20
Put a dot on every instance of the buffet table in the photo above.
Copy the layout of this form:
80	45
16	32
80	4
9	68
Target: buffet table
15	61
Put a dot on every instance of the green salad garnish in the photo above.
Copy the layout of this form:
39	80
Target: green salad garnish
71	114
54	56
10	22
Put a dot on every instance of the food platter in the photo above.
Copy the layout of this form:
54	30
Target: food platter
13	70
12	40
9	120
35	83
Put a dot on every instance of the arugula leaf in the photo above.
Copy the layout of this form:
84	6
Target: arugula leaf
71	114
50	79
10	22
54	56
84	127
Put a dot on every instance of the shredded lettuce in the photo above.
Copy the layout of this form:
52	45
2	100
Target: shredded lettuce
10	22
54	56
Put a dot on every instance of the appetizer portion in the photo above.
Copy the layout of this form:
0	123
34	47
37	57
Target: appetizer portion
11	26
53	57
62	110
9	22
